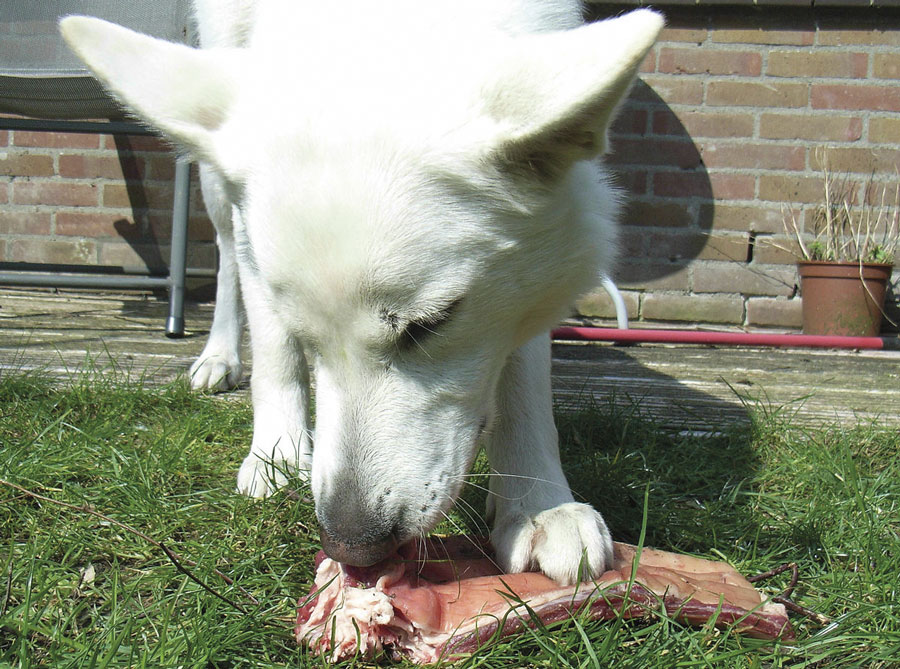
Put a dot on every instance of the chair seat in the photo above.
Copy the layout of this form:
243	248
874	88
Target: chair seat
41	78
78	97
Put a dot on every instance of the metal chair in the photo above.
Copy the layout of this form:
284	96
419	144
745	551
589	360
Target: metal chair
48	88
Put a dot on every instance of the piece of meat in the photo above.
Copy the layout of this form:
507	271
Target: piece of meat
443	598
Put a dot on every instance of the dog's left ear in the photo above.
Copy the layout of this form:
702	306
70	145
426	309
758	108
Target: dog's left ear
184	92
559	92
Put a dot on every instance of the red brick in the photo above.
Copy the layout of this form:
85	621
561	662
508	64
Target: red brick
884	130
755	218
676	246
857	97
675	34
693	308
810	127
629	122
56	140
727	186
105	166
634	181
598	304
727	247
648	65
682	184
672	153
753	94
97	224
199	228
880	193
886	65
703	124
4	138
24	223
774	312
764	36
796	189
743	278
159	166
55	193
859	160
817	64
861	36
137	143
632	242
753	156
776	250
722	186
138	196
673	90
657	214
707	61
18	164
652	275
153	256
36	250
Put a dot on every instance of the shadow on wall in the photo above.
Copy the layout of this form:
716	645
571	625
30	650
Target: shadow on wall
138	233
670	203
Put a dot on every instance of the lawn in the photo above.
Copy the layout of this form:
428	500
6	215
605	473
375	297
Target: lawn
89	585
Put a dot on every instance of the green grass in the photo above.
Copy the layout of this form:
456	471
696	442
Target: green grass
79	591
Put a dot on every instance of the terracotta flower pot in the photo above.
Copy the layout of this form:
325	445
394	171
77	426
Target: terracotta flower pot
835	301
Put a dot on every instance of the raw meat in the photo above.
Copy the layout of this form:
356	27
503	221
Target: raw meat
443	598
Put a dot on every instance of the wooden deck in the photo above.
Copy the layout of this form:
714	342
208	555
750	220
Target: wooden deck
681	387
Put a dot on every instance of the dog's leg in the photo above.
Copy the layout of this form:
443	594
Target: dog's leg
219	365
279	386
536	521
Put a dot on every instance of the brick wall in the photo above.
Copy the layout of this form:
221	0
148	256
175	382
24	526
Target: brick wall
82	200
715	142
721	137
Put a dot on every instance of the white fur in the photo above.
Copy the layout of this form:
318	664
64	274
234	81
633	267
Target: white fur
370	166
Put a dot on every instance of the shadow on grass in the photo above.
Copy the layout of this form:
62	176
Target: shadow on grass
611	454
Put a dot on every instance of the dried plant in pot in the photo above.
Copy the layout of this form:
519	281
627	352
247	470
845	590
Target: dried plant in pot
845	268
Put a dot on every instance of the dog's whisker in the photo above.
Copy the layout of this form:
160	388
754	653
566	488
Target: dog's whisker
474	543
496	474
472	517
506	498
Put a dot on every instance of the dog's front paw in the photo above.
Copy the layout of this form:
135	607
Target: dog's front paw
261	476
216	372
568	543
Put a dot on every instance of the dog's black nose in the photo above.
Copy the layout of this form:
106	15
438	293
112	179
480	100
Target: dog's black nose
361	551
355	527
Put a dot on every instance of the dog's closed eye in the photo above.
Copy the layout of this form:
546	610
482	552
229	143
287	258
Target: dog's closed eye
416	331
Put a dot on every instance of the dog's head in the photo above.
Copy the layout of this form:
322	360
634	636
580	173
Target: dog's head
410	220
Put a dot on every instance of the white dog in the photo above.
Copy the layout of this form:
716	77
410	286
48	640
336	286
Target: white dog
405	193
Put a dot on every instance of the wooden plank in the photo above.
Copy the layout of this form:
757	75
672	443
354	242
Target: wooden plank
707	388
679	387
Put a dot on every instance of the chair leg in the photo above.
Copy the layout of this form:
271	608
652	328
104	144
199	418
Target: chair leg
178	259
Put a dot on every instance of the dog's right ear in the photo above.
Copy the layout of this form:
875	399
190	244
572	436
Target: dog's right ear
555	95
185	93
